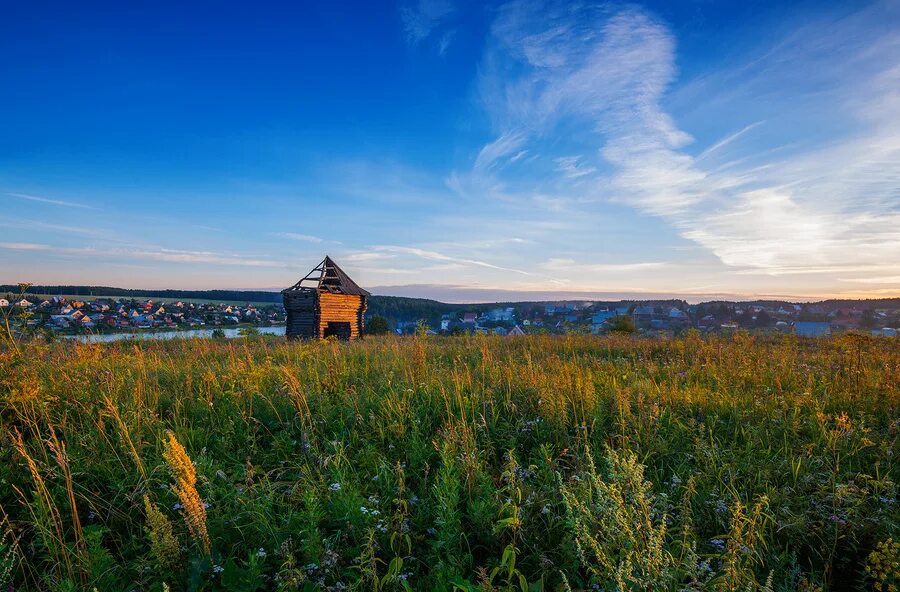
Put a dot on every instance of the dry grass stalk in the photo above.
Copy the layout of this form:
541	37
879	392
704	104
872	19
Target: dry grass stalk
185	488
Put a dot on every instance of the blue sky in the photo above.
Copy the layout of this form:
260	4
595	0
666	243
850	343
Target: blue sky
459	150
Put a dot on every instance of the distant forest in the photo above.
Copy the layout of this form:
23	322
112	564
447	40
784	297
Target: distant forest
399	308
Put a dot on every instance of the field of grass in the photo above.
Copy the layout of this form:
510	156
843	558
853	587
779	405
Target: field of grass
471	463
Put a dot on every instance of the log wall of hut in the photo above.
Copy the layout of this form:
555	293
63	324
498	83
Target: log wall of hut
302	314
341	308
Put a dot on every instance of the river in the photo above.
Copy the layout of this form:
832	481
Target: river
188	334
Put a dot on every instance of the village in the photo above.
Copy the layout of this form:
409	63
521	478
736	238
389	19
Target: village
65	315
805	320
69	315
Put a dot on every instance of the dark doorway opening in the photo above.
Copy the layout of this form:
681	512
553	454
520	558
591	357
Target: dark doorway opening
339	329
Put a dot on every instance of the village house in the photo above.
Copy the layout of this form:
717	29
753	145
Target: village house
677	314
642	315
812	329
600	319
499	314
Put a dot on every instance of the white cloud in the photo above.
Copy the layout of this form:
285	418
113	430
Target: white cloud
436	256
895	279
566	264
444	43
55	202
160	254
570	167
422	18
503	146
23	223
24	246
298	237
368	256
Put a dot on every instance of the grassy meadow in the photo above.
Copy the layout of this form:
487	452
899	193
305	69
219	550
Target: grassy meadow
471	463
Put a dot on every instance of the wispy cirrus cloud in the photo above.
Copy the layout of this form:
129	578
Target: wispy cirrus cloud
600	75
421	18
156	254
566	264
24	223
298	237
436	256
47	200
367	256
894	279
571	167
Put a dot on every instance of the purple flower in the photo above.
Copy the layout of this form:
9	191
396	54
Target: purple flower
837	520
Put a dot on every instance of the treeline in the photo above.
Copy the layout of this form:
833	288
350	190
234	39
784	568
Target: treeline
109	292
397	308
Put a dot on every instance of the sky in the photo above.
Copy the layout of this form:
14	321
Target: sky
457	150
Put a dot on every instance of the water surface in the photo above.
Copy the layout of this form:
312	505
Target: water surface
188	334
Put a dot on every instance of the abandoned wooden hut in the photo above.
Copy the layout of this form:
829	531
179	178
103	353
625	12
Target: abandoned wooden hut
326	302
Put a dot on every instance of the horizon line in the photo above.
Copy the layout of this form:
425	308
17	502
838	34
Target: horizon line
502	295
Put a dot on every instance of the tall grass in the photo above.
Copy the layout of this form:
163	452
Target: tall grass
482	463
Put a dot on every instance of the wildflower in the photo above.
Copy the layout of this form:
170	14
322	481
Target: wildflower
335	487
330	559
719	544
163	544
261	552
882	566
837	520
185	488
217	569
